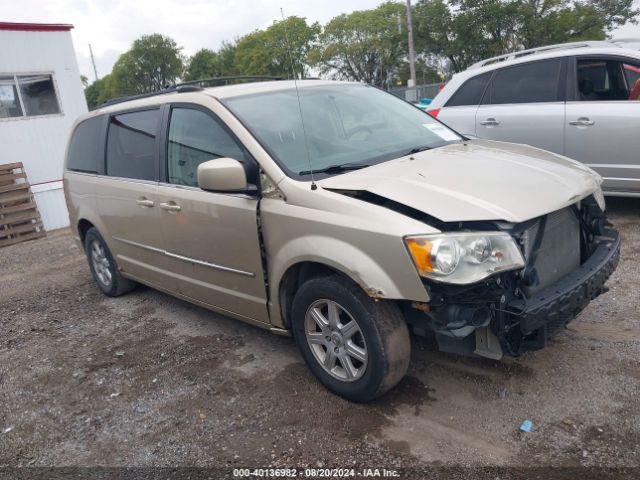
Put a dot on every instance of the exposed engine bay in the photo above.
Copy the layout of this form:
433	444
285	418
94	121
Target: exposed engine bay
569	255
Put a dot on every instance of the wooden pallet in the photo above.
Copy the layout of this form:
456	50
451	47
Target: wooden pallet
19	217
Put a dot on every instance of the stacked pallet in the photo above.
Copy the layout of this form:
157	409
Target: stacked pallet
19	216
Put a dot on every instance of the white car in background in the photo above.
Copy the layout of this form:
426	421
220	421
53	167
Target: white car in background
633	43
581	100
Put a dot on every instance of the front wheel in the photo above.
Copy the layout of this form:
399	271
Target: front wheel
357	347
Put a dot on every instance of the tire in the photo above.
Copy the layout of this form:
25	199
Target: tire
103	267
382	335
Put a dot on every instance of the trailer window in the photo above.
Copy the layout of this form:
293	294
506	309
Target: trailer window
38	95
28	96
9	101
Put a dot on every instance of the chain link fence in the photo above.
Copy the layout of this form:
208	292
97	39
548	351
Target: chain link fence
414	94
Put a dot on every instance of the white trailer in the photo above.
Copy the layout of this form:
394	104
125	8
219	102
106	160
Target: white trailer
41	95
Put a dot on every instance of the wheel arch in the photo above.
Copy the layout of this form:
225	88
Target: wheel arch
338	256
296	275
83	227
84	223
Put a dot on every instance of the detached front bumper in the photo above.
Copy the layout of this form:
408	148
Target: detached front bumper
540	316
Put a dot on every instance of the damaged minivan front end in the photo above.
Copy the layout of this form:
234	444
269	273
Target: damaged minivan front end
496	287
535	280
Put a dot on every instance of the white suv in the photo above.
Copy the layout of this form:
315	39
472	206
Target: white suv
581	100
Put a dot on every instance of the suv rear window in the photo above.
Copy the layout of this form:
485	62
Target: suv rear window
131	145
83	148
529	83
470	93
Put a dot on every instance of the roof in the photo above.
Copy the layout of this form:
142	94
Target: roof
226	91
220	92
610	49
541	50
35	27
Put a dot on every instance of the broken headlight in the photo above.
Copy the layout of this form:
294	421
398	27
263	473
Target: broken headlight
463	258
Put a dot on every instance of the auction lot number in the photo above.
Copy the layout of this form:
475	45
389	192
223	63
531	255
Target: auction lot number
314	473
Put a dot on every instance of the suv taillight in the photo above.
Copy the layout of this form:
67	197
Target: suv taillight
434	112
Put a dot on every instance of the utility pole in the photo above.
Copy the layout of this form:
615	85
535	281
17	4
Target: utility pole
93	62
412	53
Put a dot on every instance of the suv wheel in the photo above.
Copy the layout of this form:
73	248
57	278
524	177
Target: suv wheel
357	347
103	266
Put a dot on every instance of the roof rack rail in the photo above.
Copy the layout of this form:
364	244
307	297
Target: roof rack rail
190	86
547	48
128	98
227	80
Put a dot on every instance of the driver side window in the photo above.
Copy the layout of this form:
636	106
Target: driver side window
608	80
194	138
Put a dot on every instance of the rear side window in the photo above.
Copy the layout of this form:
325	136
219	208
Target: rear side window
529	83
84	146
131	145
470	93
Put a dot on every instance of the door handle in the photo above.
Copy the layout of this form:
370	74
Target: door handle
490	122
143	202
582	122
170	207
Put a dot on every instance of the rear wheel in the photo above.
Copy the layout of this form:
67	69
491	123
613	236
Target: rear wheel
357	347
103	266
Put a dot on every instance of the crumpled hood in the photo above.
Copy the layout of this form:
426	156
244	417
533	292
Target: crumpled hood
482	180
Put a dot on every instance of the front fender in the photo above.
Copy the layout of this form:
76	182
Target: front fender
370	250
342	256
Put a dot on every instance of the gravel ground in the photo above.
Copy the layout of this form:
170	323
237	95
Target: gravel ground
149	380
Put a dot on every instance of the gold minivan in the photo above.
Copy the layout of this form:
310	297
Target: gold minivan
340	214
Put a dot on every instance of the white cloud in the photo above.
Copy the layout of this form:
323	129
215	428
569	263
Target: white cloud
111	26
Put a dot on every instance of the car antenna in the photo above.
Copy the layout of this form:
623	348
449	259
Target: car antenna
295	83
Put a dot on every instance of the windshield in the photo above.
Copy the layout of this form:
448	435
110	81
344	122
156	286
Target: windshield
345	124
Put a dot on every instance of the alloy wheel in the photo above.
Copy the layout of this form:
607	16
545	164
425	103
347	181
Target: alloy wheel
336	340
101	263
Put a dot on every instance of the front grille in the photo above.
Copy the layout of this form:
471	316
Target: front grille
559	252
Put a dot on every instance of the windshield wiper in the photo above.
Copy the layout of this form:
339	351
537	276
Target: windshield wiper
335	168
417	150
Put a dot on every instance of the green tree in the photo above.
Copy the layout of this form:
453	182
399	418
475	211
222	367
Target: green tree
206	63
554	21
466	31
284	46
425	73
365	45
96	94
203	64
153	62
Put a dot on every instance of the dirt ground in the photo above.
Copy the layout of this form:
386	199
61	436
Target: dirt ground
149	380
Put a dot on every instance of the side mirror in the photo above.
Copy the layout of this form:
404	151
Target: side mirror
222	175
